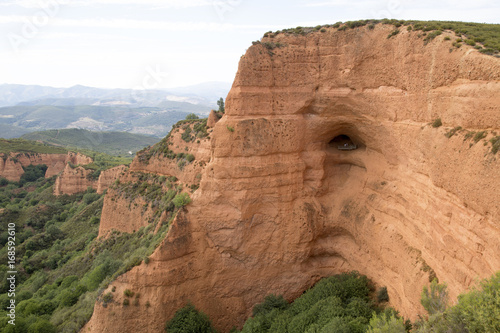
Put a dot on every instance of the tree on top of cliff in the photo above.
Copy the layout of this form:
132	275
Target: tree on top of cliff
192	116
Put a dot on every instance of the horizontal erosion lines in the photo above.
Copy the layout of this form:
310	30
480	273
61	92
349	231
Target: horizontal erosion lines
306	88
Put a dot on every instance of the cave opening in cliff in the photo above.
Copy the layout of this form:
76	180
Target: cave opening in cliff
343	142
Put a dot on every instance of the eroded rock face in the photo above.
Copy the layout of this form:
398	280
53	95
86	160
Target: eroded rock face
74	180
280	206
11	166
127	213
107	177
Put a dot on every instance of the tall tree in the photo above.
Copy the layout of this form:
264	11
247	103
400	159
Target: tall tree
220	103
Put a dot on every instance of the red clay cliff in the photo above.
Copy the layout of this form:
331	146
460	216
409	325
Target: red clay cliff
280	206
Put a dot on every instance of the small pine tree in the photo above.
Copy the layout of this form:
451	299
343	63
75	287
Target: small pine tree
220	103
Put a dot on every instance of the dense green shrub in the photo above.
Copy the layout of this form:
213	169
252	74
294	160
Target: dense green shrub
394	33
128	293
386	322
3	181
437	123
181	200
339	303
32	173
382	295
270	302
479	309
189	320
476	311
62	264
89	198
192	116
42	326
435	298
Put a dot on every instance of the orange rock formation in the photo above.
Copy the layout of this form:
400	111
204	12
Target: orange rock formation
107	177
280	207
128	216
75	180
11	166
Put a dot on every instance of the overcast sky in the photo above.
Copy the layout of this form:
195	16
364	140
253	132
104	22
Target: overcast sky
171	43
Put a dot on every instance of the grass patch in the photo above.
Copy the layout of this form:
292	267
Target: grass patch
453	131
495	144
28	147
480	135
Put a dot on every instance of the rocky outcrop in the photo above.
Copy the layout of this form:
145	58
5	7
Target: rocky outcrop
280	206
9	169
128	213
187	173
213	118
107	177
11	165
78	179
74	180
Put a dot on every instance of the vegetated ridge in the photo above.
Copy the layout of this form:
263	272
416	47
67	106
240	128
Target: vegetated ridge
76	170
111	143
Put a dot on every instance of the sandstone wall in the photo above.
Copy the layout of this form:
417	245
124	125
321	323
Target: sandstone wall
280	206
126	215
73	180
11	166
108	177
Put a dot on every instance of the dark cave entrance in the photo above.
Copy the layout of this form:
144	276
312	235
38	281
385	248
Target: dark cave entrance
343	142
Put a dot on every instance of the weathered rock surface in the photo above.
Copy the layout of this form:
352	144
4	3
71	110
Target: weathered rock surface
107	177
213	118
280	207
74	180
128	215
11	166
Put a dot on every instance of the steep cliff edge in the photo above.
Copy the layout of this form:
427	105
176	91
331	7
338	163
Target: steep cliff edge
11	165
179	160
74	179
280	206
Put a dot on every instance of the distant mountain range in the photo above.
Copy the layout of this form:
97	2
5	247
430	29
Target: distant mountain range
203	94
111	143
26	108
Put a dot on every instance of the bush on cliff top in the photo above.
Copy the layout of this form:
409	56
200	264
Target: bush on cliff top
191	130
488	35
